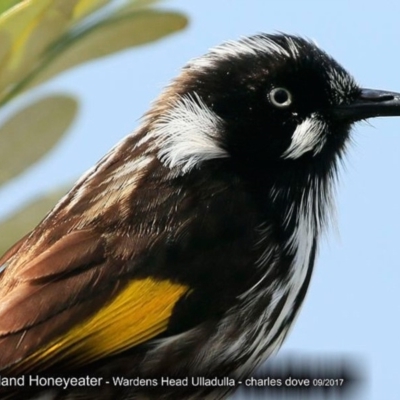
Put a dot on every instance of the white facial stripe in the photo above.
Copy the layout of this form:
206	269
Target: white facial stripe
246	46
252	45
341	83
189	135
308	136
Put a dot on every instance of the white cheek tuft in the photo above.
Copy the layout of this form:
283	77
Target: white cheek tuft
189	134
308	136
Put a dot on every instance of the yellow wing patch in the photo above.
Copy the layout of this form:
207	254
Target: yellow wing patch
140	312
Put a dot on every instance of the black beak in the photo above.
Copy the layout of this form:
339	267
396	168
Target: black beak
370	103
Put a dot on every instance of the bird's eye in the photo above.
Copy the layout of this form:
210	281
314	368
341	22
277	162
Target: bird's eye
280	97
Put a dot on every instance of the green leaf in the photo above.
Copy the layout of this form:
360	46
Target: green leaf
6	4
133	5
111	36
28	30
86	7
32	132
25	219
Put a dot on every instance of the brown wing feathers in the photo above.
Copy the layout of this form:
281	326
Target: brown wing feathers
36	302
69	291
74	301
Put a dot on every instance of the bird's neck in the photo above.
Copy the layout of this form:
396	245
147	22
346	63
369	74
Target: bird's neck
288	197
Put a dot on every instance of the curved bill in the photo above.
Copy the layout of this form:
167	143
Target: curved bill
370	103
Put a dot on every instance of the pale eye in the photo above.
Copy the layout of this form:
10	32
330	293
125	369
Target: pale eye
280	97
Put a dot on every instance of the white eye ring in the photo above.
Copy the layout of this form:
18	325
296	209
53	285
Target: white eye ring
280	97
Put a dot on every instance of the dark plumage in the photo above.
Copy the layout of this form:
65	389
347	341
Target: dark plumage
188	249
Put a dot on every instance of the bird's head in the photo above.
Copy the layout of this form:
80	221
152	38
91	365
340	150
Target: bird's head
269	102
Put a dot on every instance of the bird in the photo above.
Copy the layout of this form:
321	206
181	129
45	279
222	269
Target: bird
188	249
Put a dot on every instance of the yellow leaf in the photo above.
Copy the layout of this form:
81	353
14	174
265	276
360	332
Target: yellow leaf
18	21
7	4
111	36
85	7
32	132
135	5
30	27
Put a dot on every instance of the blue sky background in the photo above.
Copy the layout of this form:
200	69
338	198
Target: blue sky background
352	306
